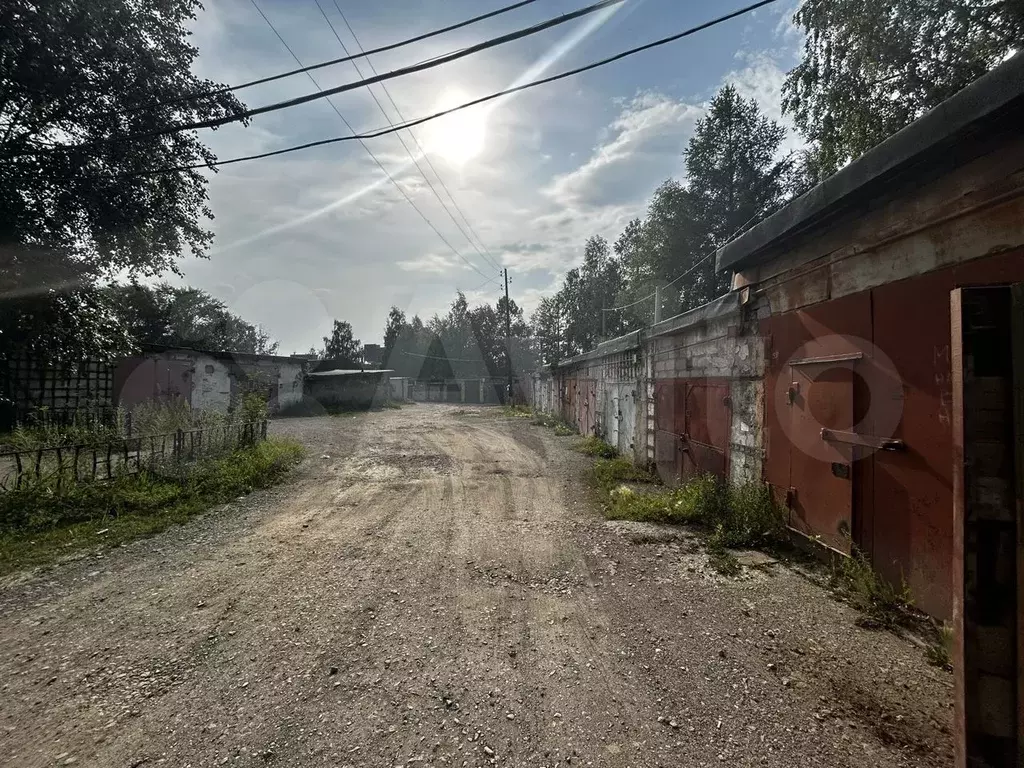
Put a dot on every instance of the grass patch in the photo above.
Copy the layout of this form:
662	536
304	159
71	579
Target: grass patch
607	474
595	446
883	604
744	516
39	523
550	421
517	411
541	419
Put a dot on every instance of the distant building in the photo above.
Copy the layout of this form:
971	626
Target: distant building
373	354
348	389
207	380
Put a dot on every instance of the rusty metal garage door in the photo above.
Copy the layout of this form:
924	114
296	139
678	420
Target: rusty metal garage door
820	399
692	418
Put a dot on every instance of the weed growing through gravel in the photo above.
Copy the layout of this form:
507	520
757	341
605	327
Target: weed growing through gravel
742	516
939	653
595	446
883	604
517	411
40	521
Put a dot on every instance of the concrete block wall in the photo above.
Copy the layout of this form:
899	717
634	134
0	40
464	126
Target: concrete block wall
718	341
216	380
746	445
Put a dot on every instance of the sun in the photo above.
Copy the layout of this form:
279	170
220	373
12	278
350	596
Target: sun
460	136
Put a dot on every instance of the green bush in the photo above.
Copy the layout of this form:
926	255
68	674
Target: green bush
752	517
701	500
595	446
253	407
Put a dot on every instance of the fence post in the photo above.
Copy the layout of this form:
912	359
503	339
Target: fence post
179	444
263	430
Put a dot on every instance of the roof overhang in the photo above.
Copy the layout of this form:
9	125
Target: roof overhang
940	136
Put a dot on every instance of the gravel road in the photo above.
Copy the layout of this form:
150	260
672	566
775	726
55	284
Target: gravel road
432	588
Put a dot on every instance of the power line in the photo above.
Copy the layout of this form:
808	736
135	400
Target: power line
742	228
332	62
405	146
368	150
468	104
485	254
474	290
325	92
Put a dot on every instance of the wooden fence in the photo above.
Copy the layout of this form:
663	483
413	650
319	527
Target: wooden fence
65	465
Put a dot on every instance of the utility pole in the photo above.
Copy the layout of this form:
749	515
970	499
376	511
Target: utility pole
508	339
558	330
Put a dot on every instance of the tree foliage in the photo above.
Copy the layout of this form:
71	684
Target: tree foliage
735	176
341	343
166	315
465	342
76	78
871	67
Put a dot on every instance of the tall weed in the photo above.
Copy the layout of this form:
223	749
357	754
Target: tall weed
39	516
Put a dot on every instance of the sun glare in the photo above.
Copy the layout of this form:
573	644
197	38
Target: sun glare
458	137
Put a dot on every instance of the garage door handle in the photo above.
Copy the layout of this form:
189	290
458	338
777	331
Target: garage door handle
869	441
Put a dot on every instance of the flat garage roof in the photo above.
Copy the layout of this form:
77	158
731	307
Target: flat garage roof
984	103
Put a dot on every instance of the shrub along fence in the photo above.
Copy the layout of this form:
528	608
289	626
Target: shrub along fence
60	466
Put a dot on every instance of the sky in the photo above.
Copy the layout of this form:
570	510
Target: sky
311	236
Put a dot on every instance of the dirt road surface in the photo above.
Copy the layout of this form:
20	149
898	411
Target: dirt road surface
433	588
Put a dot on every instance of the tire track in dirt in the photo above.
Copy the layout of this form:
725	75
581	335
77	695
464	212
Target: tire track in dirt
435	592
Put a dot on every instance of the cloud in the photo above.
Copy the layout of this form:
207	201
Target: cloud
644	146
435	263
322	228
762	79
787	30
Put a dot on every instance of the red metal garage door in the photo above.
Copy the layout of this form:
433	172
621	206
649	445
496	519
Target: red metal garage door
706	414
821	398
692	418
